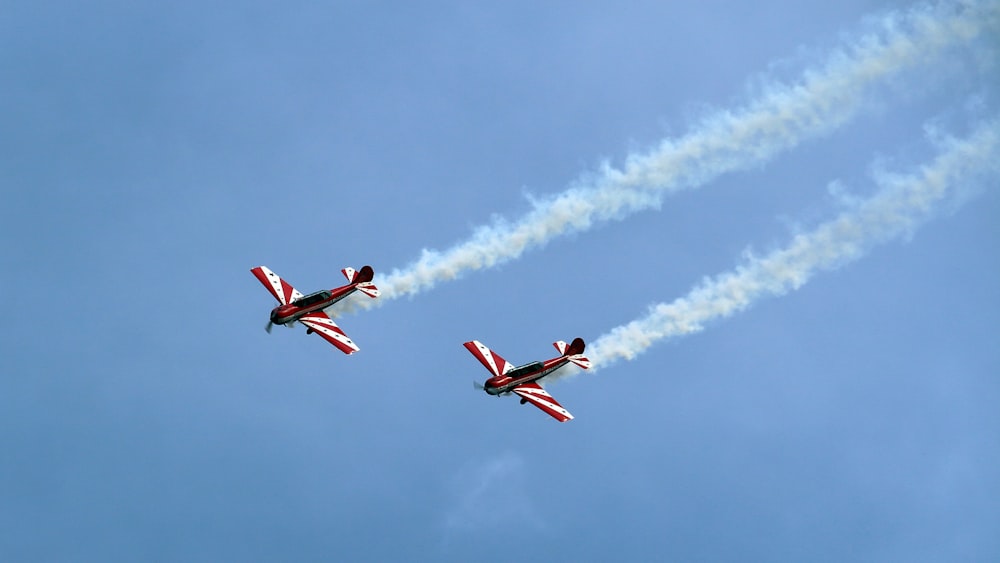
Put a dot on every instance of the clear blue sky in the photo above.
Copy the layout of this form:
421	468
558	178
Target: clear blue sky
150	155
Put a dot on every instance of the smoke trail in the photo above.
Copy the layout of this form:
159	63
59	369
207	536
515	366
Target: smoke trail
823	99
901	205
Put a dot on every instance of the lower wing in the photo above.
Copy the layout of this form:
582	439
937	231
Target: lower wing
324	326
534	394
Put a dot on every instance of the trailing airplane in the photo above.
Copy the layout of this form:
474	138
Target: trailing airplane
308	309
523	380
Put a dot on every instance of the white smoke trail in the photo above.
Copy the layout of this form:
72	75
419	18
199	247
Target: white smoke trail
823	99
901	204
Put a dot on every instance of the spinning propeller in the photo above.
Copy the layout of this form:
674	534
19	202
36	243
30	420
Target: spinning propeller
270	325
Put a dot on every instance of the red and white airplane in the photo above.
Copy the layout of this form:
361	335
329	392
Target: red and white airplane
308	309
522	380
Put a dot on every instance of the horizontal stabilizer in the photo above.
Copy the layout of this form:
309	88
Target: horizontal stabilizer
369	289
580	360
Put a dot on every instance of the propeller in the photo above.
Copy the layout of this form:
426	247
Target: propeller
478	385
270	325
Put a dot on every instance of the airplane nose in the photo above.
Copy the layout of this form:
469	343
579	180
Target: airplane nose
281	312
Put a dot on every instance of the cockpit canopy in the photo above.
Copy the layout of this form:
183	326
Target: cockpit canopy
312	299
526	368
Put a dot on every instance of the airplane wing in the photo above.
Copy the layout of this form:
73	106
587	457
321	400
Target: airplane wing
325	327
534	394
489	358
279	288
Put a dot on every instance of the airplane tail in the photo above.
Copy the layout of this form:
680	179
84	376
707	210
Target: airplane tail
574	352
365	274
362	278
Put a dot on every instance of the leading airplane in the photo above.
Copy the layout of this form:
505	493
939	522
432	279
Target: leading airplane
308	309
523	380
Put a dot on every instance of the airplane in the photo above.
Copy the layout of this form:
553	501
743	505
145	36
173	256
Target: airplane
308	309
523	380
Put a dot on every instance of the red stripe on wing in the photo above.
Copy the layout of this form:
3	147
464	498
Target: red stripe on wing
490	359
534	394
325	327
279	288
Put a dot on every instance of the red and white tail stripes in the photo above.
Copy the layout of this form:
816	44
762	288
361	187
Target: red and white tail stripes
580	361
369	289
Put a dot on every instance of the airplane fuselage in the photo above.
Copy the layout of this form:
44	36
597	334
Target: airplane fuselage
284	314
527	373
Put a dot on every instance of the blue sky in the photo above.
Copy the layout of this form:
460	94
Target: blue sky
152	155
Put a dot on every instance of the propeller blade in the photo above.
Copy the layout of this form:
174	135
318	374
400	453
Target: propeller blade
478	385
269	326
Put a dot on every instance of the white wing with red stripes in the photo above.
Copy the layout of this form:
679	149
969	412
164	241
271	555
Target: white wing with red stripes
279	288
493	362
324	326
534	394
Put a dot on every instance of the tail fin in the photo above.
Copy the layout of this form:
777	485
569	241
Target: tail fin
365	275
574	352
359	276
362	278
577	347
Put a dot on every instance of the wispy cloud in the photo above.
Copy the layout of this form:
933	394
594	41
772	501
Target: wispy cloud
902	203
783	115
491	494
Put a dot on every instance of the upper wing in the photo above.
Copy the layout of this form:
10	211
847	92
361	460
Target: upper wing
534	394
489	358
325	327
279	288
